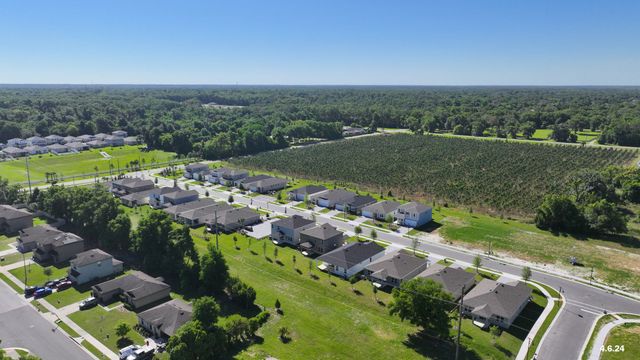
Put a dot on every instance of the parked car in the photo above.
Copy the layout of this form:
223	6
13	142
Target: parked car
51	284
63	285
88	303
42	292
125	352
30	290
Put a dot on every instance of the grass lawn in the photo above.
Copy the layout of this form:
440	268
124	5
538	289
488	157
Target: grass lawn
38	305
378	225
137	213
13	285
325	210
81	163
101	324
627	336
445	262
36	276
541	134
5	241
601	322
66	297
587	135
13	258
67	329
92	349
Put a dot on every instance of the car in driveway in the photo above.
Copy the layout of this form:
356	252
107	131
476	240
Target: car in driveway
30	290
64	285
88	303
42	292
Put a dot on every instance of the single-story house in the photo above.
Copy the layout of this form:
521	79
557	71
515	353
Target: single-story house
77	146
142	197
321	239
28	238
267	185
174	210
380	210
453	280
53	139
350	259
36	149
13	220
119	133
231	176
231	220
59	248
244	182
394	269
111	140
288	230
36	141
355	204
331	198
86	138
196	171
136	289
412	214
130	185
17	142
176	197
494	303
165	319
69	139
14	151
95	144
300	193
131	140
200	216
352	131
58	148
91	265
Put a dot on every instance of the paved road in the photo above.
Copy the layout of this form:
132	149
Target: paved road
22	326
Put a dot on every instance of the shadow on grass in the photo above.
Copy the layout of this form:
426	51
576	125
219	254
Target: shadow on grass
524	322
124	342
437	349
429	227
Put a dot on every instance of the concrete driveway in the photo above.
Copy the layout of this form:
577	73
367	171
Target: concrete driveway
261	230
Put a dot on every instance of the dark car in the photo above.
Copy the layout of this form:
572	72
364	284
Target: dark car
63	285
42	292
29	290
51	284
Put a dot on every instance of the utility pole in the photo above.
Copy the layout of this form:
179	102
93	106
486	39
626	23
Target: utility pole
26	159
24	266
591	276
215	214
459	322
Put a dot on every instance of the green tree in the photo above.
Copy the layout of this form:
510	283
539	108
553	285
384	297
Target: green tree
122	329
230	199
283	332
495	333
214	271
477	262
559	213
374	234
193	341
604	217
526	273
358	231
353	280
206	311
46	271
118	234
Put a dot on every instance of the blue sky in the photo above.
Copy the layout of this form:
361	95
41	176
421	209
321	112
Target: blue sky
474	42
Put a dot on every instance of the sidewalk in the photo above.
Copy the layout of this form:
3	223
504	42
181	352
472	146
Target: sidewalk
602	336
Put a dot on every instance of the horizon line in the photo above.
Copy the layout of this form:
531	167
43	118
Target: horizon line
317	85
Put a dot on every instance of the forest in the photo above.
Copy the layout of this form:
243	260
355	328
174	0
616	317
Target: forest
215	122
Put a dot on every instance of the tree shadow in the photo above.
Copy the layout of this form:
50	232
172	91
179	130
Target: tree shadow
124	342
253	252
279	263
268	259
299	271
437	349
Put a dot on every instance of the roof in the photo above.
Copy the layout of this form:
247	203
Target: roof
180	194
360	200
89	257
234	173
168	317
138	196
270	181
234	215
308	190
32	138
351	254
53	136
494	298
180	208
322	232
137	283
398	265
37	233
76	144
207	212
60	239
196	167
9	212
414	207
57	147
12	150
337	195
251	179
382	207
292	222
452	279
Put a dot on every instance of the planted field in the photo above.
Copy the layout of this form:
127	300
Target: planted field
503	176
81	163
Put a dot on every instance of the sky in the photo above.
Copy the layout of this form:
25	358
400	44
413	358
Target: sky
321	42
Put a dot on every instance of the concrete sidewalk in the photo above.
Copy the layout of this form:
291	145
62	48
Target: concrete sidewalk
601	338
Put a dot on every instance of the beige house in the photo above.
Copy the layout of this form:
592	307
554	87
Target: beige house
59	248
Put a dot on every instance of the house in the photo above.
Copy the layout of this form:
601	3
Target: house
200	216
28	238
95	144
380	210
494	303
13	220
394	269
77	146
111	140
288	230
58	148
412	214
130	185
35	149
244	182
14	152
355	204
142	197
131	140
17	142
231	176
69	139
36	141
86	138
136	290
453	280
196	171
267	185
53	139
350	259
321	239
119	133
231	220
92	265
192	205
165	319
59	248
301	193
100	136
176	197
352	131
330	198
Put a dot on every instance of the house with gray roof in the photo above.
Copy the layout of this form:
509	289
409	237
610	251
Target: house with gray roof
215	175
331	198
244	182
453	279
196	171
380	210
91	265
13	219
17	142
58	148
36	150
36	141
136	290
231	176
53	139
127	186
192	205
77	146
28	238
300	193
287	230
199	216
96	144
394	269
412	214
111	140
119	133
350	259
100	136
131	140
355	204
232	220
267	185
86	138
142	197
495	303
58	249
164	320
321	239
14	152
176	197
69	139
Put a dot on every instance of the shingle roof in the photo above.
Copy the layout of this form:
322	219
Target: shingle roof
322	232
168	317
382	207
90	257
337	195
351	254
137	283
196	167
398	265
207	212
270	181
251	179
292	222
360	200
9	212
493	298
452	279
138	196
414	207
180	194
308	190
197	204
37	233
234	215
60	239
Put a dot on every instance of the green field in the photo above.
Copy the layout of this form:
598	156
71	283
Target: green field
36	276
626	335
5	241
81	163
101	324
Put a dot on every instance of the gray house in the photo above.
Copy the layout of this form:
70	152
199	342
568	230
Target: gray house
288	230
350	259
36	141
13	220
130	185
299	194
165	319
136	290
231	220
494	303
244	182
196	171
453	280
380	210
231	176
14	152
111	140
58	148
77	146
393	269
331	198
267	185
192	205
321	239
29	237
176	197
355	204
53	139
412	214
59	248
142	197
200	216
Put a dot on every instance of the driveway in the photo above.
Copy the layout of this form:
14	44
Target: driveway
261	230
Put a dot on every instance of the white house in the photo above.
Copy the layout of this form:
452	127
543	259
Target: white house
36	141
380	210
17	142
412	214
53	139
92	265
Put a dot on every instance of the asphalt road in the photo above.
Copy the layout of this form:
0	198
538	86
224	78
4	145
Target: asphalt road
22	326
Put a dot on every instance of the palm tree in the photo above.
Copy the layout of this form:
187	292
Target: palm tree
235	241
275	253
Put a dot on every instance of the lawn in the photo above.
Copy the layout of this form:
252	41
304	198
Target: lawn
67	329
5	241
92	349
36	276
38	305
587	135
101	324
137	213
627	336
69	296
541	134
81	163
13	258
13	285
